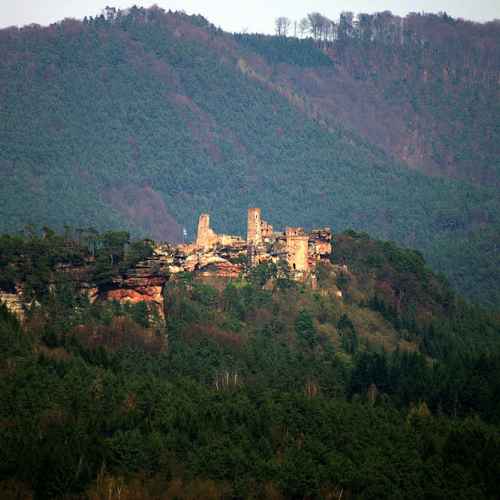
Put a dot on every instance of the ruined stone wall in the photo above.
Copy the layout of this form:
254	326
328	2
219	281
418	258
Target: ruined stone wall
294	231
297	247
211	256
229	240
267	230
207	238
320	242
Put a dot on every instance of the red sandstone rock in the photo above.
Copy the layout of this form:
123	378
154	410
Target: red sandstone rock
221	270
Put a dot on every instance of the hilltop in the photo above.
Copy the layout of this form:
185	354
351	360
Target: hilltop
377	382
145	118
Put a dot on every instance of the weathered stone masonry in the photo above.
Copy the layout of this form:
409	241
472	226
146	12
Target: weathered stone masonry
299	249
211	256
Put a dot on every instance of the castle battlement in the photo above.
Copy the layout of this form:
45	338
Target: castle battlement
301	250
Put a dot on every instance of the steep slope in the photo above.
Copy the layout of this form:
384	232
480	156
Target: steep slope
424	88
146	119
256	388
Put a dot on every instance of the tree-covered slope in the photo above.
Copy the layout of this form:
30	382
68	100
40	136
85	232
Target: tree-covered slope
424	87
146	119
257	388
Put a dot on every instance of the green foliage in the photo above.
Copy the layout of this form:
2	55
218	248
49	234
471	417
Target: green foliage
140	314
137	251
13	343
348	333
397	284
147	114
262	273
304	327
204	294
253	395
113	245
303	53
31	259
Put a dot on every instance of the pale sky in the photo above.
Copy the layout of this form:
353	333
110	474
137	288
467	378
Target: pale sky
239	15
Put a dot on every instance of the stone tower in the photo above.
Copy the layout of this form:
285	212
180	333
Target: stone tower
254	227
297	248
205	237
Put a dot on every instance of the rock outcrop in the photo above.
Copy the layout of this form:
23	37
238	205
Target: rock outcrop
220	256
211	256
14	302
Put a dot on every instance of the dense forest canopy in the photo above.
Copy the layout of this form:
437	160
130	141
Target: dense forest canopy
259	388
381	382
143	118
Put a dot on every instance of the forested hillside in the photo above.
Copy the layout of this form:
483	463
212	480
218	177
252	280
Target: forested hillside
424	88
142	119
259	387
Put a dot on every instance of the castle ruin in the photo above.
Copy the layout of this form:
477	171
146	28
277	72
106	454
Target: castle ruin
254	227
212	256
205	237
299	249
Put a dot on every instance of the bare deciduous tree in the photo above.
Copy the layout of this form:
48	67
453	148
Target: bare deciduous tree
304	27
346	27
282	25
320	26
315	21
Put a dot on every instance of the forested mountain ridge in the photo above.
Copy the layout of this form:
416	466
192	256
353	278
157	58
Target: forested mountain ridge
144	119
425	88
256	387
